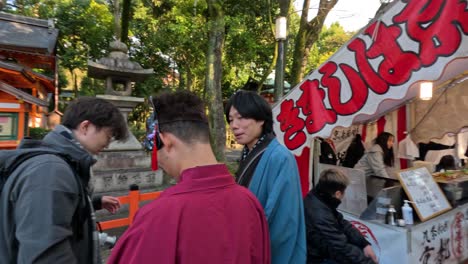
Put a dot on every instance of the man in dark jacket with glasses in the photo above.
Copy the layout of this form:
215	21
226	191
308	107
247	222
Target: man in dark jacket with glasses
46	213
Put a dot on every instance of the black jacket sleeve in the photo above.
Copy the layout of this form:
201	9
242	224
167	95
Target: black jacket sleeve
97	202
353	235
338	245
328	239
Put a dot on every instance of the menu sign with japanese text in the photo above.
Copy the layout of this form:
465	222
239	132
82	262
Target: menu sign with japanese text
426	195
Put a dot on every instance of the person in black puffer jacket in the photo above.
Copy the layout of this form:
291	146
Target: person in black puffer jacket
330	238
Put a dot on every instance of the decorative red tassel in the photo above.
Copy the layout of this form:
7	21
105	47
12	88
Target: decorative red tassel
154	155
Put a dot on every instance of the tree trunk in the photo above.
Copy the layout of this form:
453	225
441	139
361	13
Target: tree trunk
284	7
216	35
307	35
296	74
117	18
125	21
181	79
75	82
189	79
269	69
275	53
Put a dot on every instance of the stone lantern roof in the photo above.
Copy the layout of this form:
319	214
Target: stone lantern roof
117	68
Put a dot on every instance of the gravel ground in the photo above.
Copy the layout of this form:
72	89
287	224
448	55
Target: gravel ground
105	251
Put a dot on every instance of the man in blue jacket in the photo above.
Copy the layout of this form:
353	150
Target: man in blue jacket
270	171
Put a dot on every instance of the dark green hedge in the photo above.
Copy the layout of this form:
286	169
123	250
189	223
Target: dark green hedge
37	132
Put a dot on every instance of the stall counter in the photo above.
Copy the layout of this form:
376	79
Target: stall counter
440	240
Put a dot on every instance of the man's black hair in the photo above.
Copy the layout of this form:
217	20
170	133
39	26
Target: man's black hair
447	162
182	114
251	105
99	112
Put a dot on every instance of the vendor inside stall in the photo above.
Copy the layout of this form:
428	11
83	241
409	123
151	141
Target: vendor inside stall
377	163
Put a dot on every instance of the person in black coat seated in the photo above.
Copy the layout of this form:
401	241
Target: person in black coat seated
330	238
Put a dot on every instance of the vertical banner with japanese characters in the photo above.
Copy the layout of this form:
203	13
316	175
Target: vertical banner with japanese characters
442	240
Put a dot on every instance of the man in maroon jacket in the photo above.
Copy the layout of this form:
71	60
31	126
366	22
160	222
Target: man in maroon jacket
206	217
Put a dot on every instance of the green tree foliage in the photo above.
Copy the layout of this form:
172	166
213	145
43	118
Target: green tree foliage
91	87
329	41
307	35
172	37
250	43
85	31
176	32
164	37
29	8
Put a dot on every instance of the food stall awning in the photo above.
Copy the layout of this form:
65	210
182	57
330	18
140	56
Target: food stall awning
22	95
378	70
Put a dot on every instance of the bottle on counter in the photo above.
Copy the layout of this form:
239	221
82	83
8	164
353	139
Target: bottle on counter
391	213
407	212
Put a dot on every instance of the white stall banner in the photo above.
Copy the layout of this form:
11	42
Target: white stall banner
443	240
389	244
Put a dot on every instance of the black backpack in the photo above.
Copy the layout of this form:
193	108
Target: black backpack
12	159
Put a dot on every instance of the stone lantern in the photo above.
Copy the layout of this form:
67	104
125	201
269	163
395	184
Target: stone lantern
122	163
118	70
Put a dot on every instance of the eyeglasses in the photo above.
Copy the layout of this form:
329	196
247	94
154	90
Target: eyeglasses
110	136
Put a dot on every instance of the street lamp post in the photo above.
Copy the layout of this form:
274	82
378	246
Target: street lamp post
280	36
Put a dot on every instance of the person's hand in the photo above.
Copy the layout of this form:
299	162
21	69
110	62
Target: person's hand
369	252
110	203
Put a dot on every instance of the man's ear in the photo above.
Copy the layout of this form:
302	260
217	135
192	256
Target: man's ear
83	127
339	195
166	139
336	194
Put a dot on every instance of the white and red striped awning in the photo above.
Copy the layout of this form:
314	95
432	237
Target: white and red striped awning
377	71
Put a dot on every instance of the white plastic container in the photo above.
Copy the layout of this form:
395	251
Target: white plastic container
407	213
